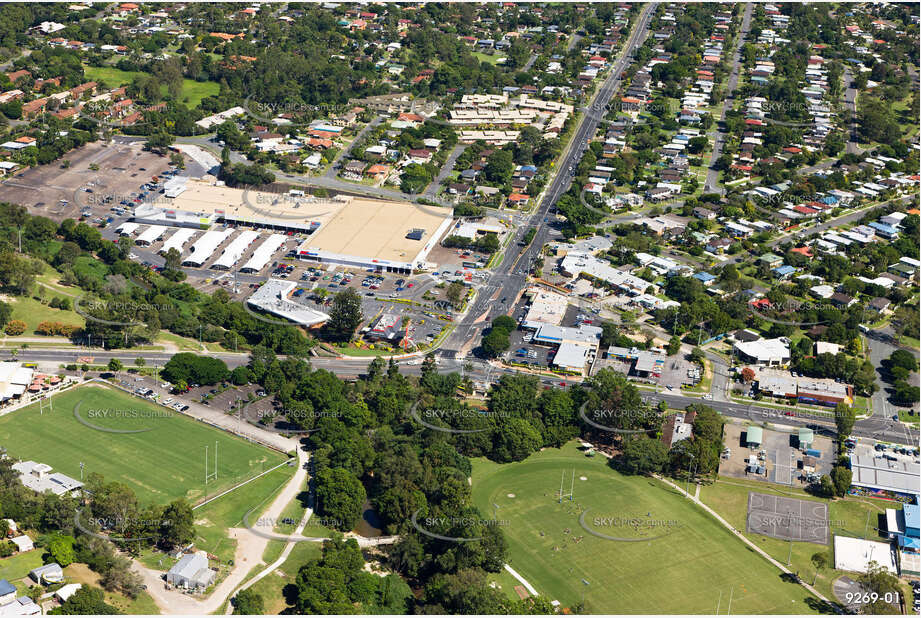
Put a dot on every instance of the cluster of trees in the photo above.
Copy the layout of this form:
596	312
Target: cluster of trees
496	341
71	531
131	302
487	243
898	368
369	447
344	316
189	368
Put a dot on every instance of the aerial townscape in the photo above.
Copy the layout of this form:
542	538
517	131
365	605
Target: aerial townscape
404	308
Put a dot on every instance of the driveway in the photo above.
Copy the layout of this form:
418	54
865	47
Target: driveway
250	548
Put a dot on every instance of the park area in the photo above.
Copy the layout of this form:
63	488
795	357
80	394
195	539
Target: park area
159	453
624	544
192	91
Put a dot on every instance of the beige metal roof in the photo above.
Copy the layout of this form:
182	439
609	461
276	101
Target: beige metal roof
378	228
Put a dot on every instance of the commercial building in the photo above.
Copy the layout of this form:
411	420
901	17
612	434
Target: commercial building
387	327
202	203
272	297
576	347
387	236
39	478
372	234
546	308
883	475
764	352
646	364
576	264
14	380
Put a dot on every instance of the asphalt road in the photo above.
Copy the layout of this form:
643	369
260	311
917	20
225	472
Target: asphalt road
875	427
719	139
512	274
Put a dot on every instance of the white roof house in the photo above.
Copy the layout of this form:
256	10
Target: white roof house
22	606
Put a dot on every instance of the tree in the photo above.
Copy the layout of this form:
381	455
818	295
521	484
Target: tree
177	527
87	601
172	260
140	361
454	292
845	417
879	581
61	549
345	315
495	343
674	345
15	327
820	562
644	455
748	374
248	602
340	496
827	486
841	476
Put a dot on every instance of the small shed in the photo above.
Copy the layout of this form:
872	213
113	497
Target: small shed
753	436
23	543
806	438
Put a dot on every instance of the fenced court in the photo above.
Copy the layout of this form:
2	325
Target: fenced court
788	519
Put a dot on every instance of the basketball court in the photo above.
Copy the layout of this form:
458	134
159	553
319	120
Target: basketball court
788	519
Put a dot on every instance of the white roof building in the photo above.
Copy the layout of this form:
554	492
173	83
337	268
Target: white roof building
205	246
272	297
39	478
151	235
14	379
178	240
767	352
855	555
264	253
236	249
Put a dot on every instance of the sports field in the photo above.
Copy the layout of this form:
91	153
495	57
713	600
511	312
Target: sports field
163	461
664	555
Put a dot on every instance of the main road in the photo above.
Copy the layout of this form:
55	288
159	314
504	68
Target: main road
877	427
719	138
511	276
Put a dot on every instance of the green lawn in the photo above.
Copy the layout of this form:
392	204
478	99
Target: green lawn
192	91
847	517
32	312
160	464
491	59
18	566
213	519
693	568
